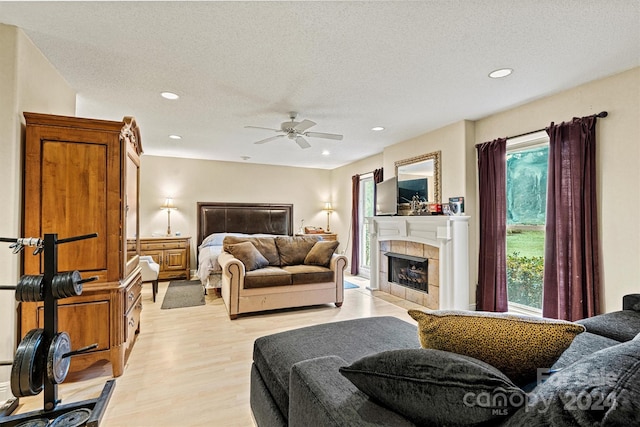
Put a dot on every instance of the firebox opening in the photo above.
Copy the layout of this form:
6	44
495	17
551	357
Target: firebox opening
409	271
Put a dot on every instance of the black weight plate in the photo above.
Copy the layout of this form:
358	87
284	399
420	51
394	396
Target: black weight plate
75	418
27	368
20	288
38	422
38	288
56	286
32	368
58	366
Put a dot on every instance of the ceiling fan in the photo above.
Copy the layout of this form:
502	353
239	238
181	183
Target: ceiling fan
296	131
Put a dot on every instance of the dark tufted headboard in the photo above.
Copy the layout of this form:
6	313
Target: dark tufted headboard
249	218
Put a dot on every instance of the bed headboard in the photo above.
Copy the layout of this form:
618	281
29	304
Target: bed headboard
249	218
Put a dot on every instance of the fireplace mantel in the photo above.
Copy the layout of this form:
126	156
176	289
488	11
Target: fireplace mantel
450	234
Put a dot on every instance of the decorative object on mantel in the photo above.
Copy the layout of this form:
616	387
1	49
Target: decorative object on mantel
328	208
168	206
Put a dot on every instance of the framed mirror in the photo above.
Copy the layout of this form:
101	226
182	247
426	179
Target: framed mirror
420	177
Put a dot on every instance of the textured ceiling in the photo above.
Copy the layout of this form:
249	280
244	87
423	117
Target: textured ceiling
408	66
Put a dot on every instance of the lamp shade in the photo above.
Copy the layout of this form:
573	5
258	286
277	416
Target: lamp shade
327	206
168	204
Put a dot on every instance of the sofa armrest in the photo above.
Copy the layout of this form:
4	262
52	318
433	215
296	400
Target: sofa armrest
233	272
320	396
631	302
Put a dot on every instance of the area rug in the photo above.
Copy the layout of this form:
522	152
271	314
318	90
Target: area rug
348	285
183	293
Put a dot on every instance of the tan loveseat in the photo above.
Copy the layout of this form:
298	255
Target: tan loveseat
266	273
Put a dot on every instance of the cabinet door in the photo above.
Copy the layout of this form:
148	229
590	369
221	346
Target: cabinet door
175	259
157	255
85	322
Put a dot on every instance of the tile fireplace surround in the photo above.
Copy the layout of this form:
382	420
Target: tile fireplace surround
444	240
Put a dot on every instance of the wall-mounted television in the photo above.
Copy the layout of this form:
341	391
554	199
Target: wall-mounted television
412	187
386	197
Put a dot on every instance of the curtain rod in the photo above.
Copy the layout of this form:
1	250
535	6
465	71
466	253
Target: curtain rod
602	114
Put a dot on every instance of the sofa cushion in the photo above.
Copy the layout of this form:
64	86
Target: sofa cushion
517	345
453	385
294	249
248	255
631	302
275	354
621	325
266	277
303	274
602	389
583	345
266	246
321	253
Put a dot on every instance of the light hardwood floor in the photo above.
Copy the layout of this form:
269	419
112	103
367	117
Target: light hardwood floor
190	366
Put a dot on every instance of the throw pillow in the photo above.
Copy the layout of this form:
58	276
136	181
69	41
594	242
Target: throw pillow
266	246
248	255
433	387
293	250
601	389
321	253
517	345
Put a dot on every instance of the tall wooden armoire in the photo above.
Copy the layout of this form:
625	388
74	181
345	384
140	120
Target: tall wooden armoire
81	176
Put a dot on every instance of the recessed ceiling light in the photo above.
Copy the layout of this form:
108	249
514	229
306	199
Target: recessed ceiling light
377	128
325	152
175	137
245	158
502	72
169	95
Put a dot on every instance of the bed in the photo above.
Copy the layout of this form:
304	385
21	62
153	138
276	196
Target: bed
217	220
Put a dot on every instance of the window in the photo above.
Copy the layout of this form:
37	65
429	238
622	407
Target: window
527	163
366	209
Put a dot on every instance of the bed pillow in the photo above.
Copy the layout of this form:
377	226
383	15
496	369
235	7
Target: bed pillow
516	345
436	388
216	239
321	253
248	255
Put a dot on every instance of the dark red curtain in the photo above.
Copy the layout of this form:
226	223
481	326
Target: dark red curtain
355	223
571	261
492	262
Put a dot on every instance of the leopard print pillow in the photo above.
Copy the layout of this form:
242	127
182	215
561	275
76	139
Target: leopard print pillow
516	345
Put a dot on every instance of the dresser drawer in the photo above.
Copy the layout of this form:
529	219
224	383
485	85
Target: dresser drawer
132	293
132	319
163	245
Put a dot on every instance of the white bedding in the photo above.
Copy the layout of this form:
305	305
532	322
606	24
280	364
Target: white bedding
208	252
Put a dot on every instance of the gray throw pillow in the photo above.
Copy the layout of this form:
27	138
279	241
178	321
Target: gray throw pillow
434	387
248	255
602	389
321	253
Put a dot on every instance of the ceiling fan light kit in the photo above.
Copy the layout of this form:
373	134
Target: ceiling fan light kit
296	131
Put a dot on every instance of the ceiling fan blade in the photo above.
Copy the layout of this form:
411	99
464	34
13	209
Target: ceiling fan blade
323	135
271	138
303	125
302	142
259	127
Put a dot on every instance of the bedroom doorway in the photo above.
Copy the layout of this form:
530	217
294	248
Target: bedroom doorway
366	209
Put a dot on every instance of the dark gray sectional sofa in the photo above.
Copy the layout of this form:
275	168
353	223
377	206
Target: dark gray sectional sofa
295	377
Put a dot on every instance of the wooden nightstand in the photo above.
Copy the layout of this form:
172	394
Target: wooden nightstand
172	253
324	236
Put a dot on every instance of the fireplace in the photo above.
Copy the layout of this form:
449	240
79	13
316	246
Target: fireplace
409	271
444	240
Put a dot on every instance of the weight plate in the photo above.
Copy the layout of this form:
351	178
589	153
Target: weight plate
28	365
75	418
38	422
58	366
56	286
77	283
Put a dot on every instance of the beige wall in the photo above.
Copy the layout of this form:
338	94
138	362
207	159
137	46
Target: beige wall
618	160
190	181
28	82
618	151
